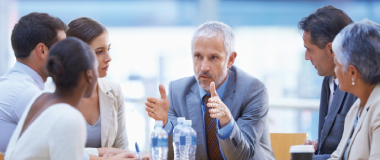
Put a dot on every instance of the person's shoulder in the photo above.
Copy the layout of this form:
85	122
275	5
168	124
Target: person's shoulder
17	83
65	112
107	85
375	102
65	120
243	79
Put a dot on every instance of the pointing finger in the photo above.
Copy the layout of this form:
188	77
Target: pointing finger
213	90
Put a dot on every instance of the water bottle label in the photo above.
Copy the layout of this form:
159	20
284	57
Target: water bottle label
188	140
194	140
176	137
182	140
154	142
162	142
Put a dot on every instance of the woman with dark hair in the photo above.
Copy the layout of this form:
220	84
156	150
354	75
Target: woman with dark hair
104	111
51	126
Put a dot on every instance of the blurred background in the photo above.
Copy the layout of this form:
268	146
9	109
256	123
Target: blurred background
151	45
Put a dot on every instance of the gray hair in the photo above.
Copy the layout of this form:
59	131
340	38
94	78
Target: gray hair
214	28
358	44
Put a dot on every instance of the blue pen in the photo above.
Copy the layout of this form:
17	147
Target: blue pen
138	150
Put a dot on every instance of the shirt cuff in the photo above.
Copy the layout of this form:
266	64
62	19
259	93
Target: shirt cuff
169	127
92	151
85	156
225	132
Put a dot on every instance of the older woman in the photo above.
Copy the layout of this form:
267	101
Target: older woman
357	59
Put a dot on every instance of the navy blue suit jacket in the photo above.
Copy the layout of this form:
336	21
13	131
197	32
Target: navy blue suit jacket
330	130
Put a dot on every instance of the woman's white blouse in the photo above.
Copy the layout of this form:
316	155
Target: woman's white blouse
58	133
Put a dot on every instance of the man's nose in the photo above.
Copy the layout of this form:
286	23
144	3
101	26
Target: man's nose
307	55
205	65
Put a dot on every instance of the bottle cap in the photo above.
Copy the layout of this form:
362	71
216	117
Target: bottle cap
159	123
187	122
180	120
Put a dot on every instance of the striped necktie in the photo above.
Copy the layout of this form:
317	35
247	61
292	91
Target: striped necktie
213	151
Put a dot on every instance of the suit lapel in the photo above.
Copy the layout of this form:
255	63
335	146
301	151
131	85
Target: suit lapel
326	102
333	110
323	107
193	104
106	101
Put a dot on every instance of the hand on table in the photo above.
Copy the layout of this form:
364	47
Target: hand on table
110	152
217	108
314	143
123	155
158	108
144	157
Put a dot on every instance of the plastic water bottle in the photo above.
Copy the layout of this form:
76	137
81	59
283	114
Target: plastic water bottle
187	142
176	136
159	142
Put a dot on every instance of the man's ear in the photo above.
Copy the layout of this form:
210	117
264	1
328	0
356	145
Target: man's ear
231	59
42	50
329	48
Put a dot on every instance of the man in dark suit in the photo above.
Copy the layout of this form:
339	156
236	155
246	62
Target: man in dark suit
320	29
227	106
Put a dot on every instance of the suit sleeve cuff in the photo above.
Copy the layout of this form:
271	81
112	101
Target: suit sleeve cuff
169	127
92	151
225	132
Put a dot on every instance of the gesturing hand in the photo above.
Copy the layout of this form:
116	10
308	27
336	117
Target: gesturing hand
158	108
217	108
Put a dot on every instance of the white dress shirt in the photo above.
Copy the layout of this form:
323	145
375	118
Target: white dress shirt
332	91
17	88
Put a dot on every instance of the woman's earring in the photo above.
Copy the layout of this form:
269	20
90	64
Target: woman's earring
353	83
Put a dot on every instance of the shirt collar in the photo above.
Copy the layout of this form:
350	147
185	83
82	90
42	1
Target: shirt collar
220	90
33	74
336	81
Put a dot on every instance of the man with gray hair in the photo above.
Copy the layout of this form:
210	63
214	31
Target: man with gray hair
228	107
